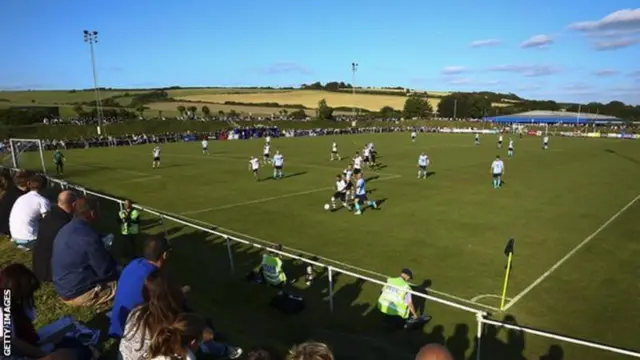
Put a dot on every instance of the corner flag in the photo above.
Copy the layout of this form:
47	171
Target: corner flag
509	250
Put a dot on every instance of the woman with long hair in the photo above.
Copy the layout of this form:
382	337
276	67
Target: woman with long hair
310	350
26	342
163	304
181	339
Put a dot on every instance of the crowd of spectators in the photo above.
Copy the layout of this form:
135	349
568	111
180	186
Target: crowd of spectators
148	311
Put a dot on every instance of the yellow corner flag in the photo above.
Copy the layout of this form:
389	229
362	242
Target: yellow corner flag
508	252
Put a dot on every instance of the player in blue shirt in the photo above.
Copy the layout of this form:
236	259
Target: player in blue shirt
361	196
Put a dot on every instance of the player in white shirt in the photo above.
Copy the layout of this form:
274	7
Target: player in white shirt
278	164
477	141
413	136
205	146
499	145
347	175
510	148
267	140
341	192
545	142
334	152
357	163
423	163
367	156
156	157
266	153
254	166
497	171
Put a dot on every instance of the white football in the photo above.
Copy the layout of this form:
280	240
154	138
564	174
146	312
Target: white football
327	206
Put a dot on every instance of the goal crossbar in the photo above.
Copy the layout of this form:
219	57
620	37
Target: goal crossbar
15	151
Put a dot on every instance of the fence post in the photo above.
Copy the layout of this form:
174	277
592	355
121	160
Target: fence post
330	289
164	226
479	319
233	268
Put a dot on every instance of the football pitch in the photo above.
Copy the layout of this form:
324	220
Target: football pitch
573	211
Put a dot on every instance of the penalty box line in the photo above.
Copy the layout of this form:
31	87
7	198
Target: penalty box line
570	254
272	198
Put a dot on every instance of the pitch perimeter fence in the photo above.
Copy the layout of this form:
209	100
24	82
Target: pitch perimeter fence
482	317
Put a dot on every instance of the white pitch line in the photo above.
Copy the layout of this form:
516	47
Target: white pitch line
257	201
482	296
141	179
570	254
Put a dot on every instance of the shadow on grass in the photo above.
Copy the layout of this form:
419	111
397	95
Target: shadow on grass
239	309
626	157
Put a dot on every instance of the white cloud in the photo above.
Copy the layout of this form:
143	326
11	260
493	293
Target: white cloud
537	41
605	72
635	74
452	70
615	44
622	20
485	43
527	70
576	87
460	81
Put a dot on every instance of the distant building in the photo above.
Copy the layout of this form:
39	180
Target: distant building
554	117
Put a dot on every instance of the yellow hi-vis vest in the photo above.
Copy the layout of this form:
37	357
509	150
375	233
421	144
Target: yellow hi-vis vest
392	300
272	270
130	222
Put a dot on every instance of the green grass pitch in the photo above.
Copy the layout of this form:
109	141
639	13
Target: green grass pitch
450	229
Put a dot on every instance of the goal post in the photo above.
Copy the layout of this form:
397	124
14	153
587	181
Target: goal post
27	154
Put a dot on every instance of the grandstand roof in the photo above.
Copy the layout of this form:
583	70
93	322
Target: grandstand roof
543	116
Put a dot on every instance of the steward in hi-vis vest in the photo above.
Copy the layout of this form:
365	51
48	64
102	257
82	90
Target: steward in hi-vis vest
395	299
271	269
129	226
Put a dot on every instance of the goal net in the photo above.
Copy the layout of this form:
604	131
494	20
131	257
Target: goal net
27	154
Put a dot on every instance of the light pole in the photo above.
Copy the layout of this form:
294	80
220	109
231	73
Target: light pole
91	37
354	68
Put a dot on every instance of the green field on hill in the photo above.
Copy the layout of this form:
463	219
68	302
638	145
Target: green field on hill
563	206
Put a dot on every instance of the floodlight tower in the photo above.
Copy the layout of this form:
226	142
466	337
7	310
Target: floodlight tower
91	37
354	68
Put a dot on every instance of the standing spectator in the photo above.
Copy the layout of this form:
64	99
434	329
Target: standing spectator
84	272
28	210
25	341
14	190
129	227
59	216
132	280
310	351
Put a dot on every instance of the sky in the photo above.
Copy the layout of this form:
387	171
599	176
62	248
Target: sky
567	50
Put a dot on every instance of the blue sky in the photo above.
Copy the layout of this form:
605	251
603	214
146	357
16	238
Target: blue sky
563	50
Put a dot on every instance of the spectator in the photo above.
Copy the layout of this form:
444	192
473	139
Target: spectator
25	340
59	216
310	351
161	308
84	272
12	194
180	339
434	352
131	284
260	353
129	218
26	213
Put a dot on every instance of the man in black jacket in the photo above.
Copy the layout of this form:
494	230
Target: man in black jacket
49	226
13	193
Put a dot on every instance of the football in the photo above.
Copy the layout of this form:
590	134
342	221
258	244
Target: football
327	206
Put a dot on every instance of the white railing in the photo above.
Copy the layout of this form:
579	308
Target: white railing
480	315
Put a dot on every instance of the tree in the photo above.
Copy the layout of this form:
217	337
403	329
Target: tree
324	111
206	111
192	111
220	113
159	114
141	109
233	113
388	112
417	106
181	110
298	114
79	110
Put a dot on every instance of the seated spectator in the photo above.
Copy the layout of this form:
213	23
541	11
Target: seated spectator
259	353
84	272
59	216
310	351
25	340
14	189
131	284
180	339
161	308
27	212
